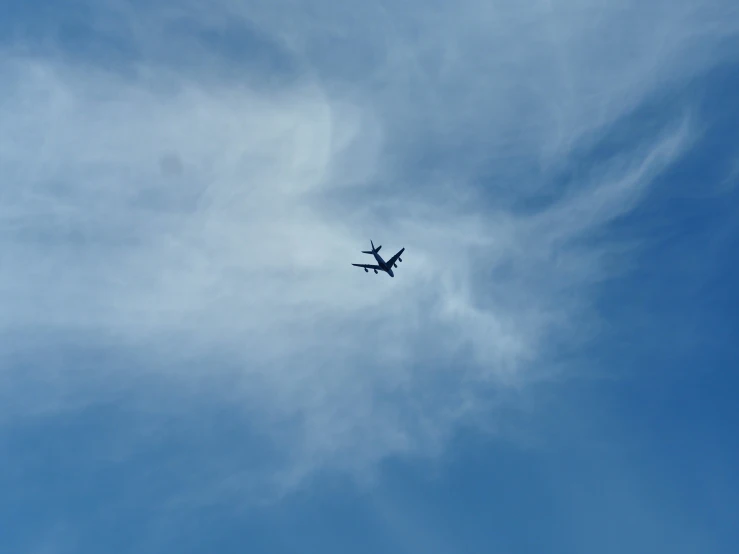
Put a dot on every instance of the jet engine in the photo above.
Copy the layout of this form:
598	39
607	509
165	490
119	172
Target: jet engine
375	272
400	259
365	270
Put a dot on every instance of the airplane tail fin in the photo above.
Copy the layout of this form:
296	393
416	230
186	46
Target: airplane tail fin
373	251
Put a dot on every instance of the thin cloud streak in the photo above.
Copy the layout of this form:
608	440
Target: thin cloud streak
191	215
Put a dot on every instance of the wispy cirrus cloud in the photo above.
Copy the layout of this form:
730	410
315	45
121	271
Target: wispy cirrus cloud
194	206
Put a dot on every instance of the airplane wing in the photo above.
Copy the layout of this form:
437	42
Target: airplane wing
394	259
368	266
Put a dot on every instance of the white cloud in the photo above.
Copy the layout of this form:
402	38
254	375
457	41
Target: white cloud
198	216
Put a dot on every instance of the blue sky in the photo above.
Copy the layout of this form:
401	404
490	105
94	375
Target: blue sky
189	363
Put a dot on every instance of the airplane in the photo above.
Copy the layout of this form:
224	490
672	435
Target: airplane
386	266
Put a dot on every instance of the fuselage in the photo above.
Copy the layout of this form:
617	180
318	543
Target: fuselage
383	265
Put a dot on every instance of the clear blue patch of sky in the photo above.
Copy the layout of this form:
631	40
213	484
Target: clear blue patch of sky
96	35
113	469
677	303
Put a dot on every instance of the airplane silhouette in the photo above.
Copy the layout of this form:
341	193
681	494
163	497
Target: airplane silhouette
382	265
